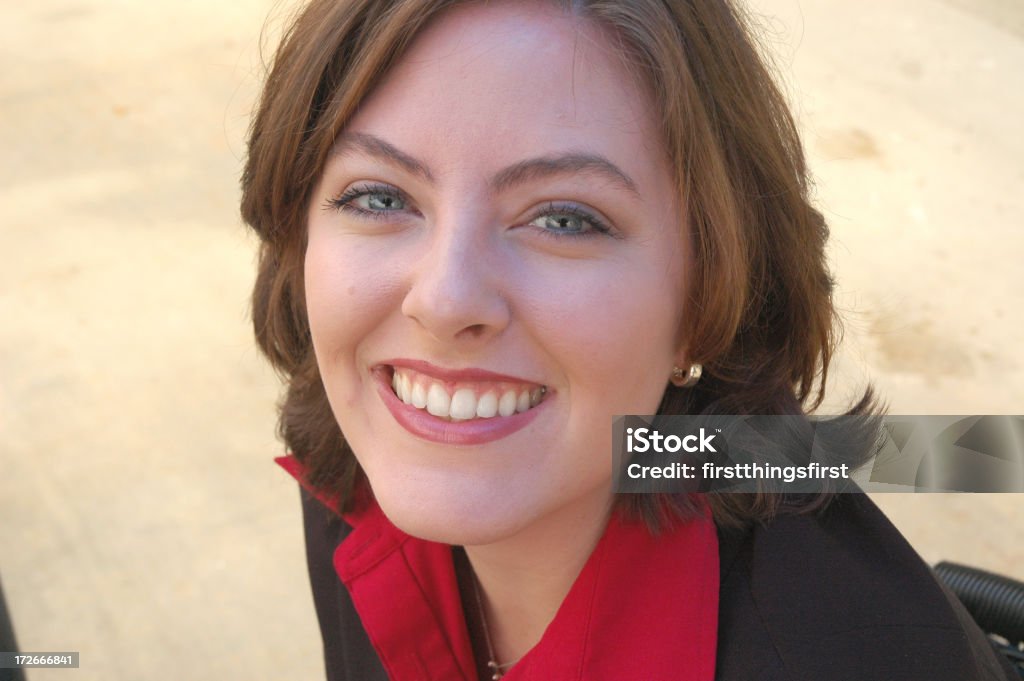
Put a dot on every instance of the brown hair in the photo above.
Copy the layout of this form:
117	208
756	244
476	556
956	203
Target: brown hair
760	316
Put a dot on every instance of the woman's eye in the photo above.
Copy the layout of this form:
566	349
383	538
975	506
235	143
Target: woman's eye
372	201
560	222
379	201
569	221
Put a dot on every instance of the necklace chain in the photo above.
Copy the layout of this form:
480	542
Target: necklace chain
497	670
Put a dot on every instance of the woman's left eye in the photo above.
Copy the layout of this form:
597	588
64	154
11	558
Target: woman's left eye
569	221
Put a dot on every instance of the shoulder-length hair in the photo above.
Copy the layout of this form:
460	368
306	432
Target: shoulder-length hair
760	315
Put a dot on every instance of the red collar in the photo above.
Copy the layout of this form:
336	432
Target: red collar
643	607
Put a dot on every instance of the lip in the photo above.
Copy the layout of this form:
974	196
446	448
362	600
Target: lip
454	375
428	427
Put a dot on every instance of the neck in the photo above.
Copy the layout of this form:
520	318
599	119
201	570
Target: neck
523	579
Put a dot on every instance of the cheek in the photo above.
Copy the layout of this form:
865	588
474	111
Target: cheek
347	295
613	332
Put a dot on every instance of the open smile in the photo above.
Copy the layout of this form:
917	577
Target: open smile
457	407
464	400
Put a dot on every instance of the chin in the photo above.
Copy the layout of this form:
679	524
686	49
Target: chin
452	518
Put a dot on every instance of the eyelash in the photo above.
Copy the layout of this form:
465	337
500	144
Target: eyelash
599	228
346	202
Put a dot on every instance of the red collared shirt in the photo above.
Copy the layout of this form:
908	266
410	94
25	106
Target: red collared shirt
643	607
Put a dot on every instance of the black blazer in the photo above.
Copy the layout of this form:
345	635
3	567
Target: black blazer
833	596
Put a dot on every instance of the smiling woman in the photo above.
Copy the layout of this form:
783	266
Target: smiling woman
483	265
490	227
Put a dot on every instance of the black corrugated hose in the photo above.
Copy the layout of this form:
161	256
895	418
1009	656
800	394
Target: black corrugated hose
995	602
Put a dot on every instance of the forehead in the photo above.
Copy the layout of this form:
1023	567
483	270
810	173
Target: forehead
489	83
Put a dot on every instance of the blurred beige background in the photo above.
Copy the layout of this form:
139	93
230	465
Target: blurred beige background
142	521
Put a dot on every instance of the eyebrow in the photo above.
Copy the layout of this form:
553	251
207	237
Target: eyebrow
567	164
371	145
515	174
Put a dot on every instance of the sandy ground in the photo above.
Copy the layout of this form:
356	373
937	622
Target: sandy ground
142	521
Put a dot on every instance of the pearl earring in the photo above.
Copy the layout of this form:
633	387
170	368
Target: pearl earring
686	378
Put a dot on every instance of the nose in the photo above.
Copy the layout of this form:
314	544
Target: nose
456	290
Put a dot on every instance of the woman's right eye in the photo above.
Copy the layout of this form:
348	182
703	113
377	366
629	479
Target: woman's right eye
372	201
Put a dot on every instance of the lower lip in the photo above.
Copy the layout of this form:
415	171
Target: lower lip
429	427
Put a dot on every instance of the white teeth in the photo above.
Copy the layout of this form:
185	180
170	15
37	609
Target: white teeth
438	402
487	407
507	403
399	385
419	396
463	405
403	388
422	393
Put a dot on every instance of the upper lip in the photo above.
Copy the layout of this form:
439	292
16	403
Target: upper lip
454	375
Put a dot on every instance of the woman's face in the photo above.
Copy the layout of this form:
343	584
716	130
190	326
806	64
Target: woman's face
495	234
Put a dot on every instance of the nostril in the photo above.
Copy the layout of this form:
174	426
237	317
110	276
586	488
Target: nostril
476	330
468	310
